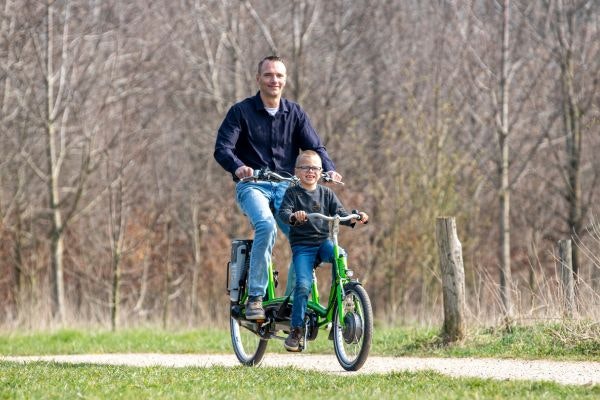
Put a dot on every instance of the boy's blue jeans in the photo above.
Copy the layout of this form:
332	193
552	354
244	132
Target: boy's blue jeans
256	199
304	259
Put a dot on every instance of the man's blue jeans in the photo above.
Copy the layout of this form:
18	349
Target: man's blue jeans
256	199
304	259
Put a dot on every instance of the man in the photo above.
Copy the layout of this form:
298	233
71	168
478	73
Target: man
265	131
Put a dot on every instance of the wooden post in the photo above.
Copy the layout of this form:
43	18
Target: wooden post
566	277
453	279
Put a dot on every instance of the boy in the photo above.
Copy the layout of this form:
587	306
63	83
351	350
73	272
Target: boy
309	239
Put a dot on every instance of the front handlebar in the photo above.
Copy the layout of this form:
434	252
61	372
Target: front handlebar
335	221
356	216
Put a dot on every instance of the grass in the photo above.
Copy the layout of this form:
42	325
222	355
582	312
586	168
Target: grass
54	381
576	341
43	380
579	341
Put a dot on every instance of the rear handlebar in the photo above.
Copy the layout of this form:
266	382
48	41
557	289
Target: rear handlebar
327	178
268	175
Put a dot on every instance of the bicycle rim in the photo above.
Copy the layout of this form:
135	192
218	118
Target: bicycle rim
249	348
353	341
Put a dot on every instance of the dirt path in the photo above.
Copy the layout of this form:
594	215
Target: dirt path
571	372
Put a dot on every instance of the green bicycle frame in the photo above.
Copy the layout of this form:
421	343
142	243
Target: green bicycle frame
336	293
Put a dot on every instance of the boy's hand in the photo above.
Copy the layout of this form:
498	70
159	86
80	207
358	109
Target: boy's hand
364	217
299	217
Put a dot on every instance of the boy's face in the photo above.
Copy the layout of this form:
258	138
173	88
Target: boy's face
309	171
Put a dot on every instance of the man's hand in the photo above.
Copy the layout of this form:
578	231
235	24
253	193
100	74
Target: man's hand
334	176
244	172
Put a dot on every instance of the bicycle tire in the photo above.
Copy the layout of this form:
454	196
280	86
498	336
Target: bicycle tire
352	343
249	348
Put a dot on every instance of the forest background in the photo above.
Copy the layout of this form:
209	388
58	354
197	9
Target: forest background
114	213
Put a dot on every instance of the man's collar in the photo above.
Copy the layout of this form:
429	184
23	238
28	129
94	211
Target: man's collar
283	103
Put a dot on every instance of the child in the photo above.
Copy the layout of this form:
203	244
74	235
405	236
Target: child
309	239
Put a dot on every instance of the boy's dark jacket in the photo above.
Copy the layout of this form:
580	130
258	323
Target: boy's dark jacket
322	200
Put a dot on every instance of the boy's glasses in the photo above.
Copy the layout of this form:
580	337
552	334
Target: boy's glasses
307	168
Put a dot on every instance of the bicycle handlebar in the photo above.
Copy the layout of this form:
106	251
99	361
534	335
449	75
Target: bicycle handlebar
327	178
266	174
355	215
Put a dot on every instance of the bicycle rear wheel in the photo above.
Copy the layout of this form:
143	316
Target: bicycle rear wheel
249	348
352	342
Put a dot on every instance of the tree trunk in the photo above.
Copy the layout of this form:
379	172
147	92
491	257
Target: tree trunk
453	279
56	233
197	240
167	283
566	277
503	133
571	117
116	228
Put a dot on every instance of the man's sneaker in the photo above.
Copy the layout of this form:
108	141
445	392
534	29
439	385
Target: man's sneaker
254	308
292	342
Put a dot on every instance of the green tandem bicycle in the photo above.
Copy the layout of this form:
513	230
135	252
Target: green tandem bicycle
347	314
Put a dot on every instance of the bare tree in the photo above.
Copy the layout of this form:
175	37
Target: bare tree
504	187
574	45
486	111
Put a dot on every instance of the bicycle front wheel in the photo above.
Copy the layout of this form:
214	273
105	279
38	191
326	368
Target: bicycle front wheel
249	348
352	341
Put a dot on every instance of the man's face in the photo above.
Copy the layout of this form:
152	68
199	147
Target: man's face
271	80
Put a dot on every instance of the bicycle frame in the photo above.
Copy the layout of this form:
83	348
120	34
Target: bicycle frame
340	278
348	309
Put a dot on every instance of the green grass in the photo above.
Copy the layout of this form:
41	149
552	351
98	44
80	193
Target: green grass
551	341
580	341
56	381
129	341
43	380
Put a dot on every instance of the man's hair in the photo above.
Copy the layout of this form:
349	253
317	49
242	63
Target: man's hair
269	58
307	154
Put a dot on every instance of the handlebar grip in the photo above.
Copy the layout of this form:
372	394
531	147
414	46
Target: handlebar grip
327	178
359	216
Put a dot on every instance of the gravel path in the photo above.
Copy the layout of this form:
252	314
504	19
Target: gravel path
570	372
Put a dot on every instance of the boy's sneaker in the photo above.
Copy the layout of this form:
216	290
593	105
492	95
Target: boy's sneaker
292	342
254	308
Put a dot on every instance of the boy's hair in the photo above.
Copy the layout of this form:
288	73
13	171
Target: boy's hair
307	154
